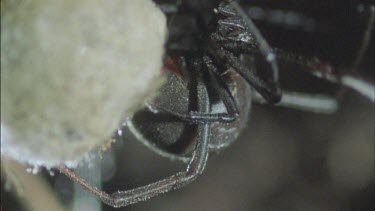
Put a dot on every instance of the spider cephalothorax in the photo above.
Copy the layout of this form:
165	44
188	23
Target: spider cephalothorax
232	38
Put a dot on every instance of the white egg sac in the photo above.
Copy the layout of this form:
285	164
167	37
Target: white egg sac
71	71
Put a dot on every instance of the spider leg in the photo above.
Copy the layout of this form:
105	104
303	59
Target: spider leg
365	38
265	50
326	72
314	63
194	169
270	92
221	88
306	102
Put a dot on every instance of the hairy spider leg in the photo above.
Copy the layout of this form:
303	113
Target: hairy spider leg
272	94
326	72
297	100
194	169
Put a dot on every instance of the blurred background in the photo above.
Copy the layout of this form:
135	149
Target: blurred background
284	159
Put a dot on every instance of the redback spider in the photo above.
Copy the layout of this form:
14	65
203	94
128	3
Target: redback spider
205	103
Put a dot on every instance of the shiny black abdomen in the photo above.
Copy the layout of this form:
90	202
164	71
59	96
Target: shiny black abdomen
174	138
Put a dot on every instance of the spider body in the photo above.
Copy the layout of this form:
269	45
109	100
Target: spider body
175	138
168	124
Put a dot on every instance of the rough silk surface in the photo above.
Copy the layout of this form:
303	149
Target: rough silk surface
71	71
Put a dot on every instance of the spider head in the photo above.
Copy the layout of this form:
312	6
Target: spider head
231	26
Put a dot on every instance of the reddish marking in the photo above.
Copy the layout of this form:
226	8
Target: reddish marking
171	65
325	69
328	71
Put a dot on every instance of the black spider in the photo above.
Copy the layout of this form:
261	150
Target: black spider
205	102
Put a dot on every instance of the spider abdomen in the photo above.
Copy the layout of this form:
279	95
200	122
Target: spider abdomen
174	138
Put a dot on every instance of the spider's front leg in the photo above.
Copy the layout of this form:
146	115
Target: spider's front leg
270	91
194	169
124	198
